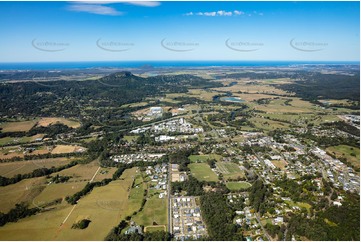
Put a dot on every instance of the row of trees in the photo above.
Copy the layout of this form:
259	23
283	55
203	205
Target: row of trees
20	211
4	181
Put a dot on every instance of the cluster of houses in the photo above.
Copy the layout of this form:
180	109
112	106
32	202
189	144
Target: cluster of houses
187	223
130	158
337	172
158	175
353	120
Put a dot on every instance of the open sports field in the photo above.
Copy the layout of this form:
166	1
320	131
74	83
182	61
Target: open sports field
22	126
155	228
235	186
204	158
352	154
105	206
50	121
80	172
153	213
230	170
202	172
23	191
62	149
10	169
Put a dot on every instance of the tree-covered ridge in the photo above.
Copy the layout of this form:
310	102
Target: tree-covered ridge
70	98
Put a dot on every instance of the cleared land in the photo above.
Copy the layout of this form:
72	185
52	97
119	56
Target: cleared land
105	206
153	213
280	164
352	154
81	172
22	126
230	170
19	140
104	173
202	172
62	149
49	121
23	191
10	169
295	106
56	191
235	186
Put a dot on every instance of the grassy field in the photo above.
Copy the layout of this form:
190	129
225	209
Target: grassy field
81	172
155	210
23	191
22	126
300	205
204	158
304	118
55	191
280	164
295	106
254	88
11	151
19	140
9	169
202	172
266	124
230	170
206	95
62	149
130	138
104	173
235	186
49	121
105	206
352	154
155	228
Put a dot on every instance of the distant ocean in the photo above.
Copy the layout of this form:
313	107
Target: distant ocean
139	64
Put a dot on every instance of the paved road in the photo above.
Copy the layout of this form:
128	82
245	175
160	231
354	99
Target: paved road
169	200
264	230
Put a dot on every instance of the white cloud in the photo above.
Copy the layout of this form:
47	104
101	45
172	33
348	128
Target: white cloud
210	14
220	13
224	13
145	3
236	12
94	8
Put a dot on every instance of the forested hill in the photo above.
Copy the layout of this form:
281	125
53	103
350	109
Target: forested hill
68	98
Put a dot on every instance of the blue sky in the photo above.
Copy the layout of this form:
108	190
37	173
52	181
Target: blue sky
81	31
